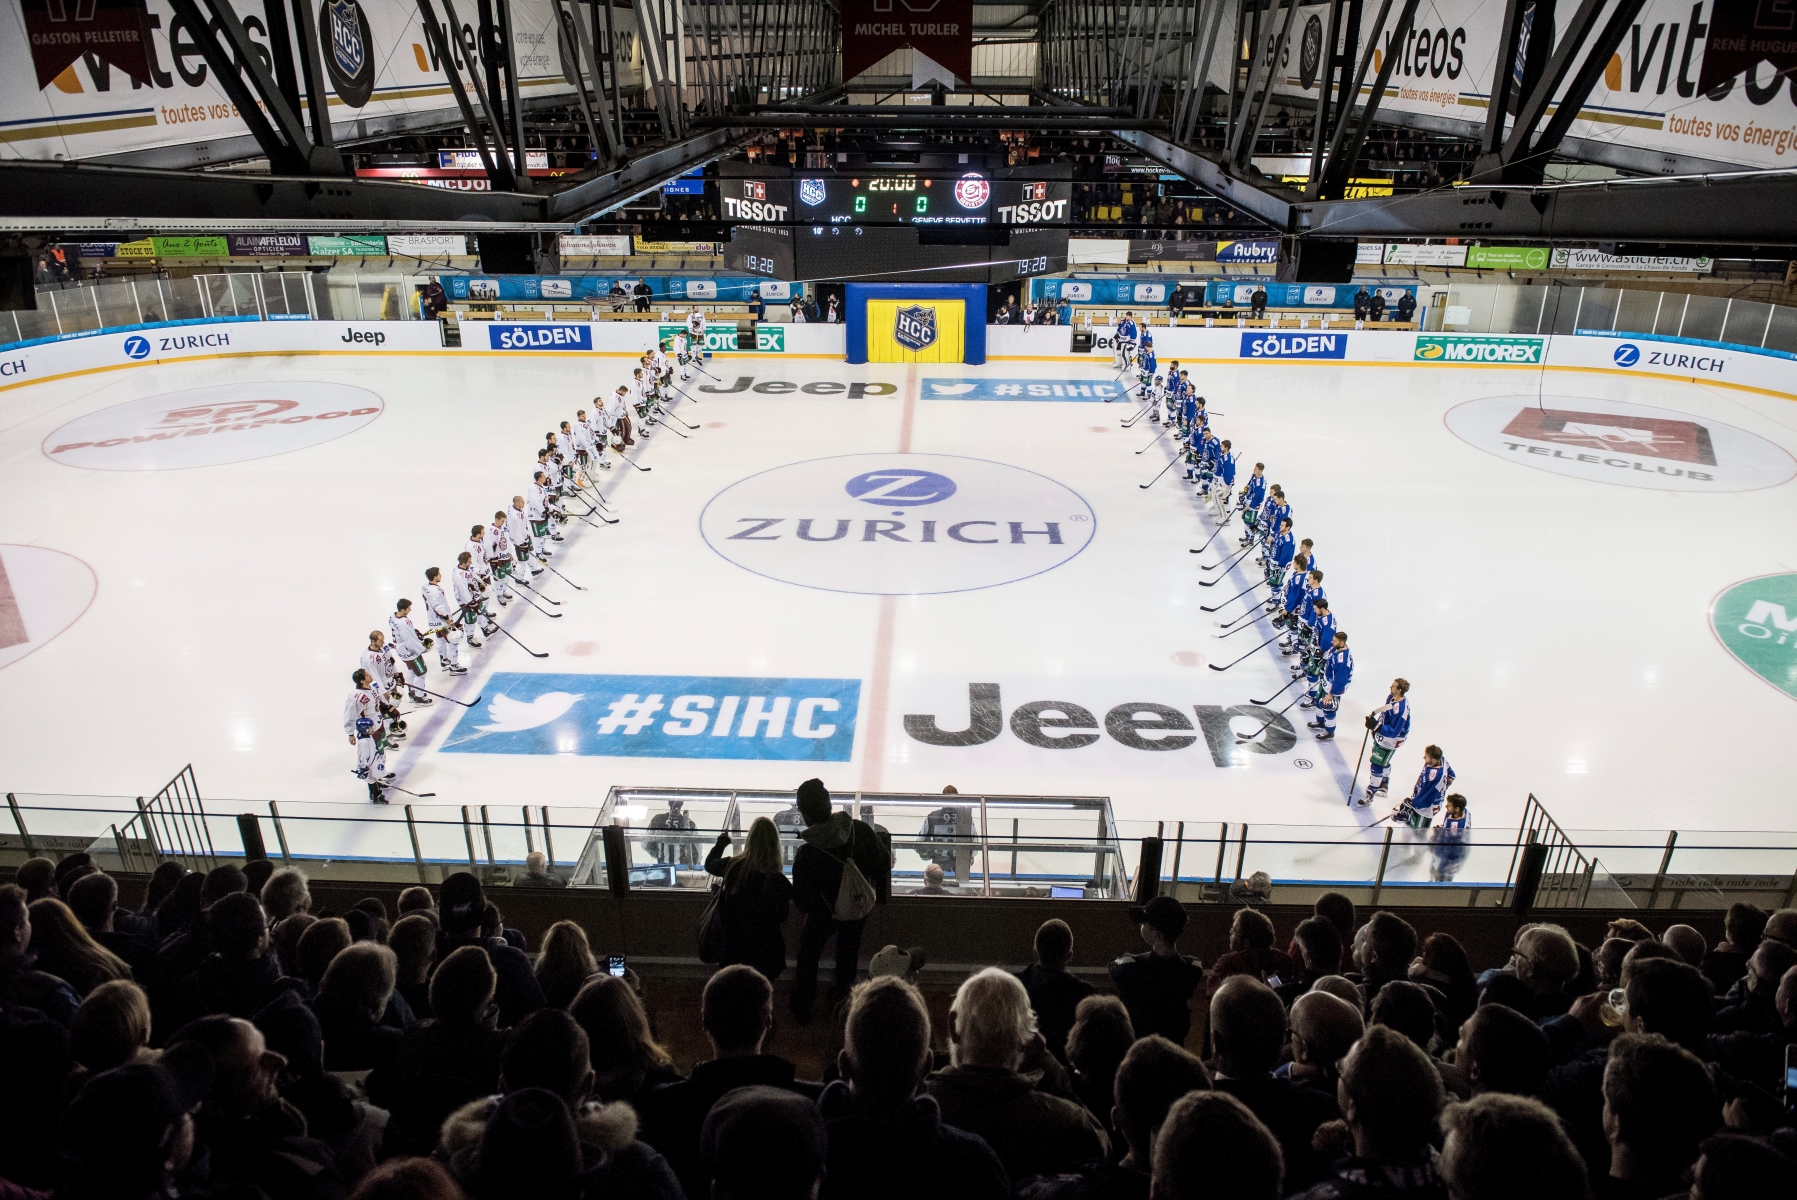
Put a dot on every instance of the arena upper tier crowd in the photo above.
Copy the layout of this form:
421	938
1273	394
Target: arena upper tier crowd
227	1040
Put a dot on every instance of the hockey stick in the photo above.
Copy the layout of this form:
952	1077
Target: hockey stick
564	578
1245	657
1150	445
451	699
533	603
1230	561
1217	580
1207	541
1250	625
1139	414
1251	736
595	513
396	788
634	463
1171	463
538	591
670	414
671	429
1357	760
1231	600
521	646
1278	693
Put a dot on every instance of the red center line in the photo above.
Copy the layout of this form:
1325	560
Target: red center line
880	686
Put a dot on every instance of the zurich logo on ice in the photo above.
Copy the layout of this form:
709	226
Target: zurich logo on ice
137	347
900	488
1627	354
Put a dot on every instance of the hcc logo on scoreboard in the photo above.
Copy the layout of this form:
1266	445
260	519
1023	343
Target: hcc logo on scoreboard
915	327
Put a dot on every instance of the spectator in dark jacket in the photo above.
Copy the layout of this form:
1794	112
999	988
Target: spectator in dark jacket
240	977
756	899
20	982
445	1061
1100	1037
1659	1106
128	1133
1363	303
1157	985
1190	1164
185	947
463	912
1726	961
1316	952
1248	1028
1054	992
36	877
1324	1028
357	988
1383	948
537	873
764	1144
1751	1005
353	1129
628	1061
94	899
1501	1050
738	1014
1442	964
884	1135
1251	951
831	840
1498	1147
1391	1101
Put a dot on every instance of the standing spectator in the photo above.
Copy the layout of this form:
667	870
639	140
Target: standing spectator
464	917
1391	1100
255	1141
1376	306
162	881
1383	949
566	964
129	1132
1546	959
317	946
1251	951
627	1059
1363	303
1501	1147
834	317
1157	985
737	1011
1176	304
64	948
990	1027
1406	306
1248	1029
1100	1037
1726	961
642	293
1501	1050
537	873
1318	953
1659	1106
1187	1161
1054	992
1257	303
832	841
763	1143
883	1135
433	302
94	899
1688	942
757	896
1750	1006
285	940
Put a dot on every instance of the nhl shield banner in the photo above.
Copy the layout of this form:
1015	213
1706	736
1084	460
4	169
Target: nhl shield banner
940	30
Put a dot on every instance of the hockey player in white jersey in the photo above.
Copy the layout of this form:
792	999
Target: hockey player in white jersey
496	548
443	619
470	597
683	356
582	440
377	660
536	511
363	725
695	331
409	648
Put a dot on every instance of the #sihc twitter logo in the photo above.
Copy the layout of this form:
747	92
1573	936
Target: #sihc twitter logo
506	715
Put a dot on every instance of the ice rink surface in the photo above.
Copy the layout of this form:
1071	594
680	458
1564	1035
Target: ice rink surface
898	589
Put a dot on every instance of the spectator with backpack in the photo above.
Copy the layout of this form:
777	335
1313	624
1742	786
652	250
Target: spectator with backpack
842	869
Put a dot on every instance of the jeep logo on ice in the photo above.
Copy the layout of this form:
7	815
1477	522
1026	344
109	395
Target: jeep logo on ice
914	327
901	524
1756	621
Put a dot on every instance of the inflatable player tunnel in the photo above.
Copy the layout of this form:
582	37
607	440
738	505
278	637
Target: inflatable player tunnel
916	322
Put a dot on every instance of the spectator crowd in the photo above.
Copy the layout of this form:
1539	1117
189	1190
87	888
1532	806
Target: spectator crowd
230	1039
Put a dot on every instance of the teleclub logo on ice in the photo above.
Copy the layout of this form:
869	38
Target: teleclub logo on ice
915	327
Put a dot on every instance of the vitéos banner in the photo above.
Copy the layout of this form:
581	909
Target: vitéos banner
939	30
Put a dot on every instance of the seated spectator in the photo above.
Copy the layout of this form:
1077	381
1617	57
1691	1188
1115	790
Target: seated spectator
445	1061
1391	1101
1749	1007
884	1135
989	1028
36	877
1407	1008
1248	1029
629	1061
1324	1028
1383	949
20	982
1501	1050
284	940
549	1053
239	978
1443	965
322	942
1726	961
933	881
762	1143
1054	992
1756	1057
1607	962
351	1000
1251	951
409	1179
1781	926
1501	1147
1731	1166
466	922
1342	988
537	873
130	1133
417	900
368	920
112	1027
737	1010
565	964
94	899
1190	1159
1546	959
182	951
1101	1036
1157	985
1688	942
413	941
1629	928
257	873
1317	952
64	948
353	1129
1659	1106
286	892
254	1140
162	881
180	908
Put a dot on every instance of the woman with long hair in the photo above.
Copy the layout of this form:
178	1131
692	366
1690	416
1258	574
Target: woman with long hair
757	896
64	948
566	963
181	907
627	1060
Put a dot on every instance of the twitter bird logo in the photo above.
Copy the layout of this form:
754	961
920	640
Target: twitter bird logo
951	389
507	715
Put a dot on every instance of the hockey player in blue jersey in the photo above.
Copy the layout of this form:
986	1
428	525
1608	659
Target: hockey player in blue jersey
1298	636
1225	481
1146	363
1288	593
1125	338
1337	671
1448	841
1319	637
1254	494
1431	789
1308	549
1279	557
1388	725
1278	512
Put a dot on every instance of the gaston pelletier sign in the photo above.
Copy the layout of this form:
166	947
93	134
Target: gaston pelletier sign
938	30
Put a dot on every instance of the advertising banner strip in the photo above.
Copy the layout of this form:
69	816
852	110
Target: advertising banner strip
353	246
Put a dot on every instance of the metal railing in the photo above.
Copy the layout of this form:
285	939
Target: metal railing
1569	308
140	300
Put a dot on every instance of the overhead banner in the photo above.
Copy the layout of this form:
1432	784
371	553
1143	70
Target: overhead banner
268	245
109	77
427	245
1597	260
940	31
1652	98
614	245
